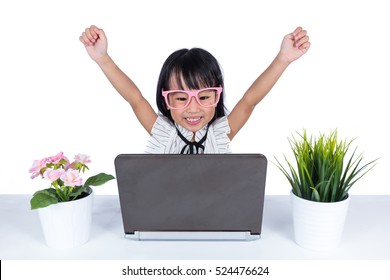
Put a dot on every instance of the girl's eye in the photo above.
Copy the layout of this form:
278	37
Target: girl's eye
204	97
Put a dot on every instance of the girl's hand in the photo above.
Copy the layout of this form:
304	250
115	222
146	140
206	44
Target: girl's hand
294	45
95	42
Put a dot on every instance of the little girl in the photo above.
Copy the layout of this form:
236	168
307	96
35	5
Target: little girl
192	118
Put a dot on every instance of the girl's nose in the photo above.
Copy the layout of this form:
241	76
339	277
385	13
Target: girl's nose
193	106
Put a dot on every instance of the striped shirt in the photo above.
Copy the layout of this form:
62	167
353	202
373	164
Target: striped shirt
165	140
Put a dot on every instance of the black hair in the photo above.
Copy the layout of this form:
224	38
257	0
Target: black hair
197	68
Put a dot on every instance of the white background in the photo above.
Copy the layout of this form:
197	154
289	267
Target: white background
55	98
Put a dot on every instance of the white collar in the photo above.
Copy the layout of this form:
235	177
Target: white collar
188	134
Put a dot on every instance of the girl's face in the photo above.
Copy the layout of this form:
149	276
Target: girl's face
194	116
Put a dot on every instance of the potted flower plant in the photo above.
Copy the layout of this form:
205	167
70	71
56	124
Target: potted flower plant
65	208
320	184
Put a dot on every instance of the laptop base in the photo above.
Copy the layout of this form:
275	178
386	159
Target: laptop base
191	236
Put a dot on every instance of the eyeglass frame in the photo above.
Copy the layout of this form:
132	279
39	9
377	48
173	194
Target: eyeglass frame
192	93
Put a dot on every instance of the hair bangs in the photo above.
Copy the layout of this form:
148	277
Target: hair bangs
193	72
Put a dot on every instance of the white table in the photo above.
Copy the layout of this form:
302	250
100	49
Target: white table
366	235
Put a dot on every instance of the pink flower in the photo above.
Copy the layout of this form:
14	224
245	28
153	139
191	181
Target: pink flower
36	167
71	178
84	159
57	158
53	174
69	166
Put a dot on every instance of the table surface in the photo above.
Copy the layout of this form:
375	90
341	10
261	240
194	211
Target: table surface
366	235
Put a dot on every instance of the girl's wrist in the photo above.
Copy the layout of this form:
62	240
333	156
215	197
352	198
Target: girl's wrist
282	60
101	61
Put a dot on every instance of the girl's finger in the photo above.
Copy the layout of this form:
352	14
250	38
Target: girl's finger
301	41
305	47
89	34
300	34
86	39
94	31
82	40
296	31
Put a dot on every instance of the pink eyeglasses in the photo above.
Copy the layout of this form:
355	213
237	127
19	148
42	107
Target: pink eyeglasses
179	99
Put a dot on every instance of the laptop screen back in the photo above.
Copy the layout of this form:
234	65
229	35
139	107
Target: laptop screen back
210	192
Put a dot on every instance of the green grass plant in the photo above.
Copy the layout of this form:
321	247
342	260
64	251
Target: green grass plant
320	173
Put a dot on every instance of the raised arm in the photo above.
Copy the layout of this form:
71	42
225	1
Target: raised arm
294	45
95	42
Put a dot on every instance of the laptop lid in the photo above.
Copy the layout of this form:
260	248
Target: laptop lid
209	196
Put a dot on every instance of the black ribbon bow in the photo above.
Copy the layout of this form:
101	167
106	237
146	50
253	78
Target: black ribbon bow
193	147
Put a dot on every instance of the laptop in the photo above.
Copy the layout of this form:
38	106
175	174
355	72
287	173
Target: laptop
191	197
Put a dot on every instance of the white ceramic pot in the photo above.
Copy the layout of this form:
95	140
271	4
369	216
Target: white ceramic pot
318	225
67	225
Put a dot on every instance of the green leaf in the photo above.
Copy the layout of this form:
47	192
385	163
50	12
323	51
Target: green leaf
42	199
98	180
315	196
77	192
50	191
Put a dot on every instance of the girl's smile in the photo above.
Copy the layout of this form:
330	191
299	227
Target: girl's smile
193	121
194	117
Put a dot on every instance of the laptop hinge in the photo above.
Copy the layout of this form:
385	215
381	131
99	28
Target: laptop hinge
192	236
